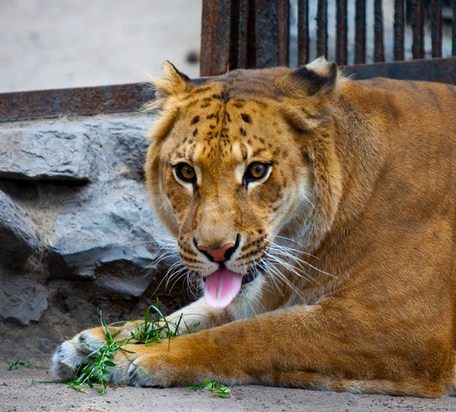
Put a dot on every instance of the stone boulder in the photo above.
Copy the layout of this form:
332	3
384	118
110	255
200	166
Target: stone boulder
18	237
77	228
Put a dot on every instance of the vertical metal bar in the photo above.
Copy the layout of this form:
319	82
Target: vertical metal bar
379	52
303	31
283	23
453	34
249	9
215	37
341	32
322	28
272	26
418	29
237	46
360	32
399	29
243	39
436	28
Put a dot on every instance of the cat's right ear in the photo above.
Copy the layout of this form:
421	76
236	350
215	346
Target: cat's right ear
172	82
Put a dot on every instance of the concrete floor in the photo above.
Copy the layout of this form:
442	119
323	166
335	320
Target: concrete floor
21	391
47	44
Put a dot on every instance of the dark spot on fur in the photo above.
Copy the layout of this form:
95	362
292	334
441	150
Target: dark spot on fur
225	97
244	152
246	118
258	151
195	120
203	106
242	131
210	116
195	132
199	90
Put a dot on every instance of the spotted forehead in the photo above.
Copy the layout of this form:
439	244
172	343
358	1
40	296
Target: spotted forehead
222	125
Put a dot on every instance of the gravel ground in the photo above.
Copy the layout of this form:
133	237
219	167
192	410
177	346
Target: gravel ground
18	392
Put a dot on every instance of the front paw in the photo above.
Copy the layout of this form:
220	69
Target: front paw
72	353
131	364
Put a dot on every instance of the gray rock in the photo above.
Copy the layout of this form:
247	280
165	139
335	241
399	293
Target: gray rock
107	230
129	145
112	239
80	183
60	152
22	300
18	239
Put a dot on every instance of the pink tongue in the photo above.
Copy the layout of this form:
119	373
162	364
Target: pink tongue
221	288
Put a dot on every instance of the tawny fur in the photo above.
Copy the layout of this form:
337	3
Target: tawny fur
362	190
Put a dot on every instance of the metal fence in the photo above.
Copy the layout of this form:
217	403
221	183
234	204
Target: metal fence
262	33
265	33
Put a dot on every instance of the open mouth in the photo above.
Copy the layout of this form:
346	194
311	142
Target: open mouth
252	275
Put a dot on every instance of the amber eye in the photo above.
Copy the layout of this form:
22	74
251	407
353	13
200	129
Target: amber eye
185	172
256	171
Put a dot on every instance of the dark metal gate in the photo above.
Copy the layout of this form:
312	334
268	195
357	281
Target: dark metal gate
262	33
265	33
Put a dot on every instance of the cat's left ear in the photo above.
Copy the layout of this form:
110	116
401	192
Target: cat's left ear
317	77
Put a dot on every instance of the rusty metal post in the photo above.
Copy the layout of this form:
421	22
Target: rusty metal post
81	101
360	32
303	32
242	39
379	52
436	28
453	34
399	27
418	29
272	27
215	37
322	28
341	32
243	33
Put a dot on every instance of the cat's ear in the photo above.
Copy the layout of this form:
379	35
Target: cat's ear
170	89
317	77
311	89
172	83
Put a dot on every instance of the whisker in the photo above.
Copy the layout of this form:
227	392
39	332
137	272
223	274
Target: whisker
284	250
301	245
290	268
277	276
